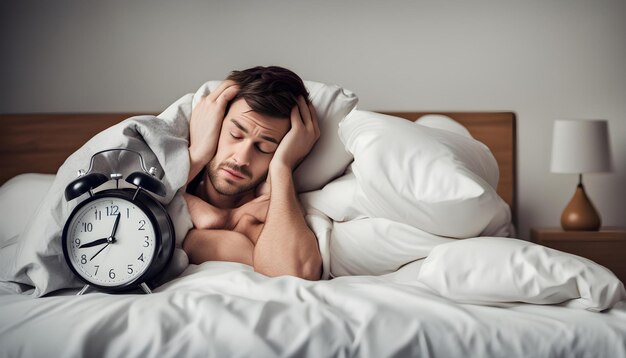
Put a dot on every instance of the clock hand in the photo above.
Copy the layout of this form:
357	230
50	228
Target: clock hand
117	221
105	240
99	251
94	243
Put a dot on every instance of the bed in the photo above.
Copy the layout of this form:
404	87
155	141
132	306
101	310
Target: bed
226	309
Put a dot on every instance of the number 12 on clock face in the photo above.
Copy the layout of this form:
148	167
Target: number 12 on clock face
110	210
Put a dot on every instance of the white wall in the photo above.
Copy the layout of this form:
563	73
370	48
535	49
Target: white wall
542	59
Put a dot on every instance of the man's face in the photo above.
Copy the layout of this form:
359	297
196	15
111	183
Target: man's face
246	146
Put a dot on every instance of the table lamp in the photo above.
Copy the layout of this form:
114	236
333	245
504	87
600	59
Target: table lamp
580	146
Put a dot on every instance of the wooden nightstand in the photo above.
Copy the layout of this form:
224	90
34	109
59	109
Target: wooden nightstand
606	247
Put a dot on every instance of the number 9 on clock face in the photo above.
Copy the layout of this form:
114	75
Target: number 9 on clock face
110	241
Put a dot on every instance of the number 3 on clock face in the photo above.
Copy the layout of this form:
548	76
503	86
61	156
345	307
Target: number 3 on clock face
110	242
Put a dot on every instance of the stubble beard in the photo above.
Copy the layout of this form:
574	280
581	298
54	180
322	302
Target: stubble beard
229	188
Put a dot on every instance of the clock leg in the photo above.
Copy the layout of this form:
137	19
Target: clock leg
145	288
83	290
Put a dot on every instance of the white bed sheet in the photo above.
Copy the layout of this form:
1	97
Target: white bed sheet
224	309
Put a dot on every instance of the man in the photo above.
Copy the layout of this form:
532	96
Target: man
246	138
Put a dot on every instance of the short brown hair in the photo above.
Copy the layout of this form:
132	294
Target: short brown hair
271	90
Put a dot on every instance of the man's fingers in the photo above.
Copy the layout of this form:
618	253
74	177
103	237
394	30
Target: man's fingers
314	120
227	95
309	117
220	89
305	114
296	120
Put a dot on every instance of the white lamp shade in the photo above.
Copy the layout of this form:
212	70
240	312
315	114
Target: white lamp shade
580	146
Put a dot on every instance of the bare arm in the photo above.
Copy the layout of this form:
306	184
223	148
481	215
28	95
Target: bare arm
217	245
286	245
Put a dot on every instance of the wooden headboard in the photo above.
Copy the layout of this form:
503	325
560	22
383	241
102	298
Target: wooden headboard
40	143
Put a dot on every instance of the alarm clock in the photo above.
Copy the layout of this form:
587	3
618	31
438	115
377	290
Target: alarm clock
118	239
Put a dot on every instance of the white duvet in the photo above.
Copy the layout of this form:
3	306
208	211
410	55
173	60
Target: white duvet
227	310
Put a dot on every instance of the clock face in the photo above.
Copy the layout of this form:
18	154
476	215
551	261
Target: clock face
110	241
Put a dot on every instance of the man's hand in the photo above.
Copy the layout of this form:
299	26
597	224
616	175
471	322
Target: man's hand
205	125
300	139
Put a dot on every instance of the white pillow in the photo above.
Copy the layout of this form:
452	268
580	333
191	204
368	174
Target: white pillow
328	158
493	270
440	121
20	197
335	199
377	246
433	179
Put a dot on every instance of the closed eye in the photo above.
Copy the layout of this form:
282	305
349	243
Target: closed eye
256	146
261	150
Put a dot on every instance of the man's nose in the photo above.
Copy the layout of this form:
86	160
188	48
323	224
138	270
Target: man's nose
243	154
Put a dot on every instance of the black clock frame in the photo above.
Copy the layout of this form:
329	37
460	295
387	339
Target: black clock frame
164	236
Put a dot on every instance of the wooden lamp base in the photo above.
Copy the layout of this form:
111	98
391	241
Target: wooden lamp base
580	214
